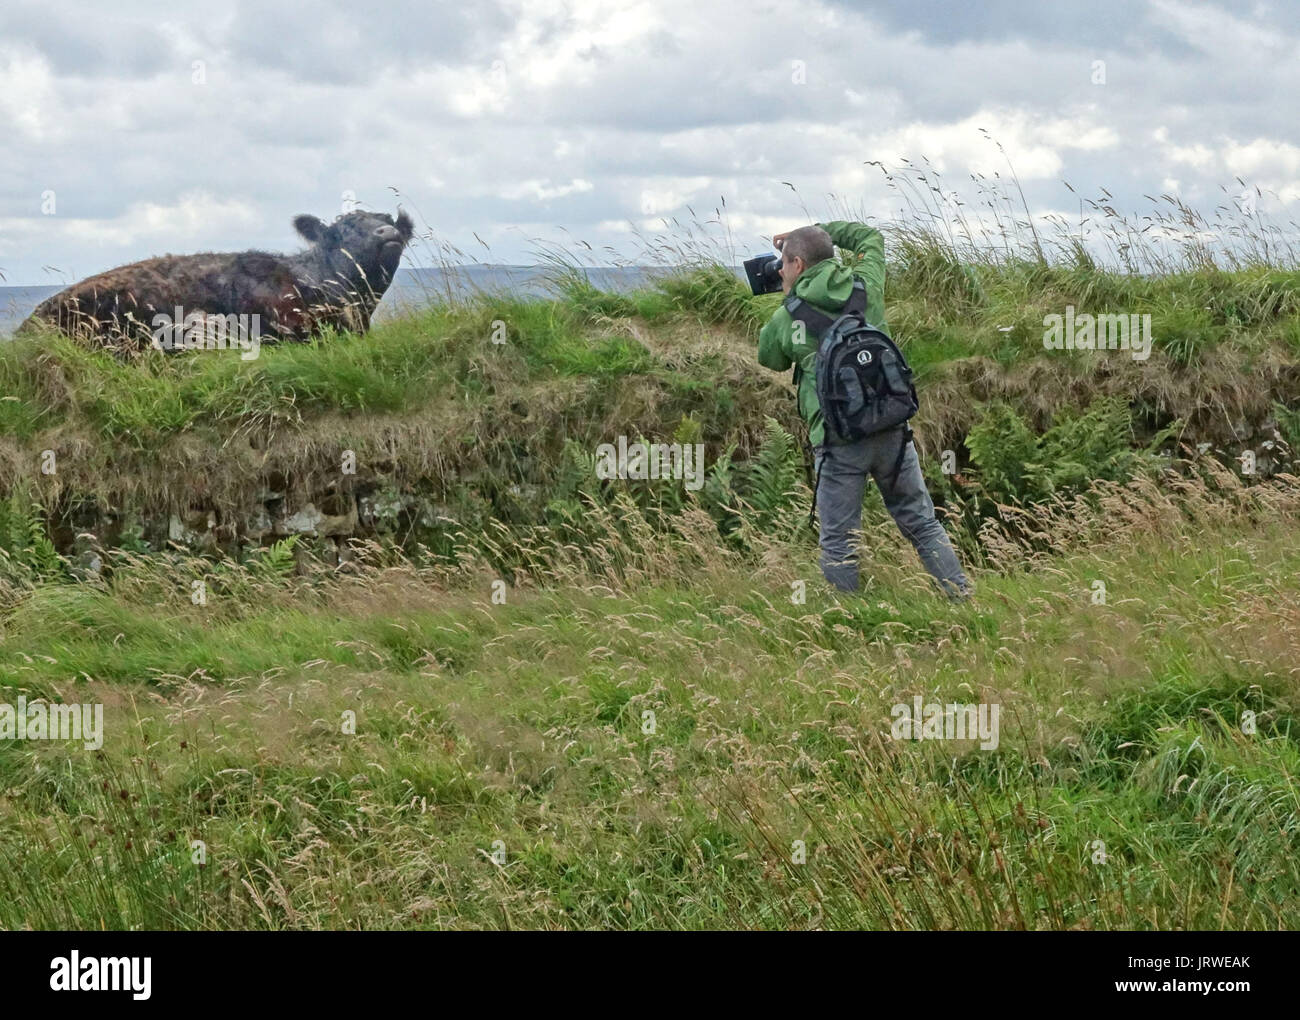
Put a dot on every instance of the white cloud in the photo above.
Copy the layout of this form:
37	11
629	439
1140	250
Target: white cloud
149	227
1199	155
1218	32
1265	157
543	191
29	104
523	117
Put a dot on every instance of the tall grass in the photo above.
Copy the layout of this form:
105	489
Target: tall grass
503	774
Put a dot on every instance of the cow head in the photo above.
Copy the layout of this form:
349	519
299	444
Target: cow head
363	246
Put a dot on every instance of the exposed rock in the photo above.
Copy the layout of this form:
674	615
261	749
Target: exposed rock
311	521
193	528
257	525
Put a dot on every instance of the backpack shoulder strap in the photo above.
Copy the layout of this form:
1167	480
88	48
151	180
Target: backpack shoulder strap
815	319
857	302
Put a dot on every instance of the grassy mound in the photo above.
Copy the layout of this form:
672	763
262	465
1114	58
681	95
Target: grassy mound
465	410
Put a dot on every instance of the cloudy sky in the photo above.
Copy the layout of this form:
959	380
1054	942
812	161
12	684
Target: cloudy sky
136	128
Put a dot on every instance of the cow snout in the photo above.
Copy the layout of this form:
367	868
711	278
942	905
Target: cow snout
387	234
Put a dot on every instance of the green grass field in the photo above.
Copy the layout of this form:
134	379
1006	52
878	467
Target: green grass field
527	699
504	772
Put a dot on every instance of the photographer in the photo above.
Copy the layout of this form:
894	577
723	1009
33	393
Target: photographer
810	271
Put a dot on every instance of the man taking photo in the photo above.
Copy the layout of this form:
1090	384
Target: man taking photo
810	271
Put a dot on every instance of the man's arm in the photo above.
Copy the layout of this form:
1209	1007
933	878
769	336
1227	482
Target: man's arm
865	242
772	350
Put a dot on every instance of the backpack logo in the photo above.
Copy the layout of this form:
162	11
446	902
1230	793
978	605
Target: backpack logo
864	357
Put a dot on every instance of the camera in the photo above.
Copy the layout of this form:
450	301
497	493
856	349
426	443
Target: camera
764	274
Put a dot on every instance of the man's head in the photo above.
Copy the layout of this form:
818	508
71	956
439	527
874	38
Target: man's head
801	249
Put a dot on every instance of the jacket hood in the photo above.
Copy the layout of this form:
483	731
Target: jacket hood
827	285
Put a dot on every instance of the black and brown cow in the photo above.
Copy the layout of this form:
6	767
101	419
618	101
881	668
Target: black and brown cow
336	282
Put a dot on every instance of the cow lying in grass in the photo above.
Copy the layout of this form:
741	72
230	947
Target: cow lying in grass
173	301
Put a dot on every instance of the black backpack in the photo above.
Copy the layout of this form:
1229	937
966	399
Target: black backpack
864	384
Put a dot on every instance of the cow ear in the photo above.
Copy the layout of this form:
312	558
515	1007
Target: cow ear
405	225
310	227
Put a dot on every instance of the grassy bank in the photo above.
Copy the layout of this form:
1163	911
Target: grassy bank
430	408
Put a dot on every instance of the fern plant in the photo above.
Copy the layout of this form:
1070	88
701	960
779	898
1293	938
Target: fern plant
719	495
1014	465
25	545
275	562
1006	455
1092	445
1288	424
773	476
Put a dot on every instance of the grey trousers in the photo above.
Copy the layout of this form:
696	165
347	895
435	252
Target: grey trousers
842	481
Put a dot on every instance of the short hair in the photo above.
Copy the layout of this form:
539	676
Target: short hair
812	244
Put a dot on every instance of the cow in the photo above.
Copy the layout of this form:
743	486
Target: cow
336	283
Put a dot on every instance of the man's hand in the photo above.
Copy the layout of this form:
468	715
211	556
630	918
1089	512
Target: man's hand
779	239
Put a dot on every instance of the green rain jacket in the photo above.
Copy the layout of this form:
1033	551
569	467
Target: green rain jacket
827	286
